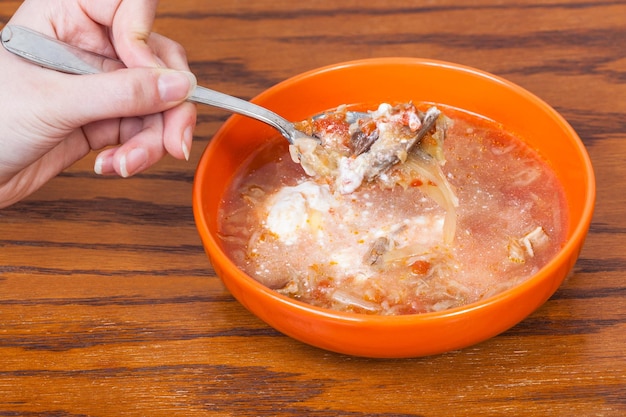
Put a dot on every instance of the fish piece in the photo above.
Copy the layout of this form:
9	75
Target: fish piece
398	131
378	249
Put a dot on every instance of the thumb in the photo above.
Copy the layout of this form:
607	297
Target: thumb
128	92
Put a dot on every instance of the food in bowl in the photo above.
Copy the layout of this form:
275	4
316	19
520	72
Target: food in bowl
385	215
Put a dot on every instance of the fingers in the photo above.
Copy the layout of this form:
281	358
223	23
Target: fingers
178	127
123	93
169	52
184	116
139	110
130	30
145	141
137	152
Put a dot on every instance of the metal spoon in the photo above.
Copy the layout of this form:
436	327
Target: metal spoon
54	54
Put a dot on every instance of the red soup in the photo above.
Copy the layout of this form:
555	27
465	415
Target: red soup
485	217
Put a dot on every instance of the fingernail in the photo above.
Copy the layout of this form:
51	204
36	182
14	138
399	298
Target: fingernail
103	164
133	161
176	85
97	166
186	142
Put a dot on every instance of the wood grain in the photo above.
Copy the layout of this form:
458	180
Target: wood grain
109	306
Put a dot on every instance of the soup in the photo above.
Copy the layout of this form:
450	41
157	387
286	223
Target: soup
468	212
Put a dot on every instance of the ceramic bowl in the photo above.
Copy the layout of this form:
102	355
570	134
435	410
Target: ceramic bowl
398	80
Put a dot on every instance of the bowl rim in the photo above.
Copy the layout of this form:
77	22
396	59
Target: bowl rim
573	243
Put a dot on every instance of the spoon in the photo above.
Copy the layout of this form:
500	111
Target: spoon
54	54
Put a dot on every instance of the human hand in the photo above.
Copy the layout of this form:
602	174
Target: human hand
49	120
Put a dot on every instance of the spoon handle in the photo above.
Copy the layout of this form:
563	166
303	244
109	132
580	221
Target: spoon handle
54	54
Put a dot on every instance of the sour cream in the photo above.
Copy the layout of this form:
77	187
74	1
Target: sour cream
292	209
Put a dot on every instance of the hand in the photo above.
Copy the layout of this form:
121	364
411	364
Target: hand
49	120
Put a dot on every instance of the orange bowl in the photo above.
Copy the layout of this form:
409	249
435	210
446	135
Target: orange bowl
398	80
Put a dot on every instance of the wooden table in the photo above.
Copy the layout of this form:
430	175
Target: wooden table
109	306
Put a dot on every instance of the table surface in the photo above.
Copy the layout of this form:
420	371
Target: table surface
109	306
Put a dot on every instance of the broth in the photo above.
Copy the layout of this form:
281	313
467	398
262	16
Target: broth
383	249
